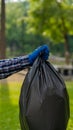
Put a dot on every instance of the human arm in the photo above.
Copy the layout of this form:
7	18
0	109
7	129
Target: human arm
11	66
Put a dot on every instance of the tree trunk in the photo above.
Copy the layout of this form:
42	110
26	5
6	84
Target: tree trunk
66	42
67	54
2	31
65	35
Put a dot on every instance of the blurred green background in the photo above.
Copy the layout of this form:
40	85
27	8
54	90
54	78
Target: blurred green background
25	25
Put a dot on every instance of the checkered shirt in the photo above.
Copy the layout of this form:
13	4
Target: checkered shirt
11	66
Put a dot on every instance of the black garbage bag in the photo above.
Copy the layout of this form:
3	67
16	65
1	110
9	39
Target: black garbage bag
44	101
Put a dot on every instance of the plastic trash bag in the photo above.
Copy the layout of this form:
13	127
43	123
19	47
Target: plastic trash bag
44	101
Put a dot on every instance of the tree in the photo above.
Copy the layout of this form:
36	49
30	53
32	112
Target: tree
53	19
2	31
15	26
65	34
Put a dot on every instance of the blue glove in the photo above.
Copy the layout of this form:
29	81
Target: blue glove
43	51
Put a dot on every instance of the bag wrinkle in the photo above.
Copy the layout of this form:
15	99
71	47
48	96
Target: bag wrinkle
44	100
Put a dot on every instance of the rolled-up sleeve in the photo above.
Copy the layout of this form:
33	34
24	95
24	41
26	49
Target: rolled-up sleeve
11	66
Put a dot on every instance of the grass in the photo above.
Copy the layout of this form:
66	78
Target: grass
9	97
9	105
70	91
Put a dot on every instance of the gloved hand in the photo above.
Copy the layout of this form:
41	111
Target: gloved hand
43	51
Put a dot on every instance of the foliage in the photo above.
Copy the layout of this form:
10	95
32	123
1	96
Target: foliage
15	27
46	18
16	35
43	19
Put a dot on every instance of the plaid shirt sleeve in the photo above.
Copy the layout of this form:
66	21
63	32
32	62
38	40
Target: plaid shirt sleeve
11	66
